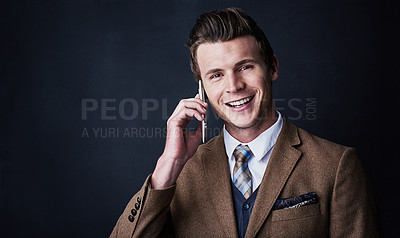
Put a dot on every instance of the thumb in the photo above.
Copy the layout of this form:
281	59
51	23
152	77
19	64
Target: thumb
197	132
195	140
196	135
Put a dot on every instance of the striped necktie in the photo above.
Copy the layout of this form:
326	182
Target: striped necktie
241	172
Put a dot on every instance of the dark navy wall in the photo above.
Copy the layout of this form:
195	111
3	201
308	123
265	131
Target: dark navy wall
87	86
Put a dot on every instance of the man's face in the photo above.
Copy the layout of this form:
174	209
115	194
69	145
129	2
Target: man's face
237	81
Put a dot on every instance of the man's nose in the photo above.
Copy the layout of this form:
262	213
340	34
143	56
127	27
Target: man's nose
234	83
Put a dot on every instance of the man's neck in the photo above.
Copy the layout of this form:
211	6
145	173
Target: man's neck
246	135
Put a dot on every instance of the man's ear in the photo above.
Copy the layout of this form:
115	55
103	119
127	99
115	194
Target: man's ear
275	68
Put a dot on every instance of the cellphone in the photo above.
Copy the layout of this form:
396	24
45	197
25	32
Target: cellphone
204	122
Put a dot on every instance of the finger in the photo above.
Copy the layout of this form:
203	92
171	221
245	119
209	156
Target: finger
196	99
183	117
179	108
190	104
196	106
190	113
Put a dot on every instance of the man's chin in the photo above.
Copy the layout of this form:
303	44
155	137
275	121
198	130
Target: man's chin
241	125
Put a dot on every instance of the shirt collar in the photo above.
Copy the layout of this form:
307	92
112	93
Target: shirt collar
260	145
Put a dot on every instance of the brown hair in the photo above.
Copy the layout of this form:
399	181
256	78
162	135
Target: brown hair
225	25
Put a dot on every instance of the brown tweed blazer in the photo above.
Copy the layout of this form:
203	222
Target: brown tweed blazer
201	203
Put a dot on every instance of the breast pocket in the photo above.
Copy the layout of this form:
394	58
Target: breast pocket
297	222
296	213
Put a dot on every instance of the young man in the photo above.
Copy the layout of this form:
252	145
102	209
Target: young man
262	177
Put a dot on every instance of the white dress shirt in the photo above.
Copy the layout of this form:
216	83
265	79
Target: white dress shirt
261	147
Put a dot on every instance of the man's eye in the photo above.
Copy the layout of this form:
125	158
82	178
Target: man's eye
244	67
215	76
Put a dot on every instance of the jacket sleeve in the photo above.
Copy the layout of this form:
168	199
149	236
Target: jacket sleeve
147	214
353	211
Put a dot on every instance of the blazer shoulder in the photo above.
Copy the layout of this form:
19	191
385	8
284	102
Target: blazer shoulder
324	156
194	170
215	145
313	143
307	142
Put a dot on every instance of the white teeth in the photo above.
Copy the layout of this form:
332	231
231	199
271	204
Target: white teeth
239	102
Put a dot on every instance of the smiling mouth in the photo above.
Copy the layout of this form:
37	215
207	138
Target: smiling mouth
240	102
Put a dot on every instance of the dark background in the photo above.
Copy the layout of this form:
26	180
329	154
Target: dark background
336	67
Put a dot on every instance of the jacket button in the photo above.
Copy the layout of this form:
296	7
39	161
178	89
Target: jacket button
137	206
133	211
131	218
138	200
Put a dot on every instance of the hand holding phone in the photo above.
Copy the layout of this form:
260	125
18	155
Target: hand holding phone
180	143
204	122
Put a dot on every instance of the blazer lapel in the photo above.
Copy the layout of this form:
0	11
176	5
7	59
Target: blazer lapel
282	161
215	163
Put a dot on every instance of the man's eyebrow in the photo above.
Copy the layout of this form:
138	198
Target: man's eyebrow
244	61
211	71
